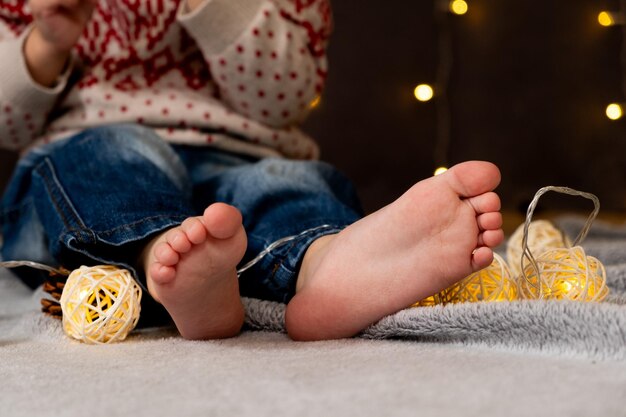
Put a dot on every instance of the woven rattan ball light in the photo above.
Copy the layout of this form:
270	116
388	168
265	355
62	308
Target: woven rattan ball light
493	283
100	304
429	301
542	236
565	274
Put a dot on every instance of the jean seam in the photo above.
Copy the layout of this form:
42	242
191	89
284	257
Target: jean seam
61	201
332	229
109	232
70	217
280	262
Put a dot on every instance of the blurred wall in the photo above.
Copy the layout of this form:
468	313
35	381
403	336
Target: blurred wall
529	83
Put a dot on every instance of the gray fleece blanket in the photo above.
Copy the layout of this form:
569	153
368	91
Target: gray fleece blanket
576	329
594	330
477	360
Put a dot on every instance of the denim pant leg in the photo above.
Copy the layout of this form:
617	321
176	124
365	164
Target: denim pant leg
98	196
93	198
278	198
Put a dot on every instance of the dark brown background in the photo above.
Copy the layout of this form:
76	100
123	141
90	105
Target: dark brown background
530	80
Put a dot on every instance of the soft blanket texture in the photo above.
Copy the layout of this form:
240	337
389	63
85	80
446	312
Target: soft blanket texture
522	358
593	330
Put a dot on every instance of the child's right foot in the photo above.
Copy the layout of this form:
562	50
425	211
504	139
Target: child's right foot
438	232
190	269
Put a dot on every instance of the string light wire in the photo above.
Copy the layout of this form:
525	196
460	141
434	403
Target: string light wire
271	247
622	15
527	255
444	69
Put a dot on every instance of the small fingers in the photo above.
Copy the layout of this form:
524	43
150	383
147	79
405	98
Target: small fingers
194	230
481	258
162	274
491	238
485	203
178	240
489	221
165	255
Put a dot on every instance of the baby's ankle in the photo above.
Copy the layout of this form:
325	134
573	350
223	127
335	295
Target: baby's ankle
311	259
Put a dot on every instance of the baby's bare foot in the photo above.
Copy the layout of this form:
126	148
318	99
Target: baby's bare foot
190	269
438	232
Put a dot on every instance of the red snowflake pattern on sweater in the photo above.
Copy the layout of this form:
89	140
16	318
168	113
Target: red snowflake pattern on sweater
318	33
146	61
15	15
110	49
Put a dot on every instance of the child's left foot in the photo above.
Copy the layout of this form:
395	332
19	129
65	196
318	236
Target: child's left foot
190	269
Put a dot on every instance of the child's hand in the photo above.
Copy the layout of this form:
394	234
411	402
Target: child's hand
193	4
61	22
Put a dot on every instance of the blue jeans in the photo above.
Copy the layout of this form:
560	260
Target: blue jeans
101	195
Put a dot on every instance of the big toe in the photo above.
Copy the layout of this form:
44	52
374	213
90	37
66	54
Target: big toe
473	178
222	221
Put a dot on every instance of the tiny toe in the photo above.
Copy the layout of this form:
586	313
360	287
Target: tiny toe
178	240
162	274
489	221
481	258
194	229
485	203
491	238
165	255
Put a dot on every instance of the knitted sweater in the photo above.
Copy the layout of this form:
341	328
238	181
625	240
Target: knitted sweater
236	74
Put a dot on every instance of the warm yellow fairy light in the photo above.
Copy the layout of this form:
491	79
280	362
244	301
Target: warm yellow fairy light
423	92
458	7
565	274
440	170
100	304
606	19
494	283
614	111
315	102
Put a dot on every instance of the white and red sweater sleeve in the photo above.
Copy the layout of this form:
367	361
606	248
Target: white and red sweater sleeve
267	57
24	105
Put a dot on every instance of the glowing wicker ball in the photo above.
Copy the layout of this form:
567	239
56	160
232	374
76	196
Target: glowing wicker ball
100	304
493	283
429	301
542	236
565	274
